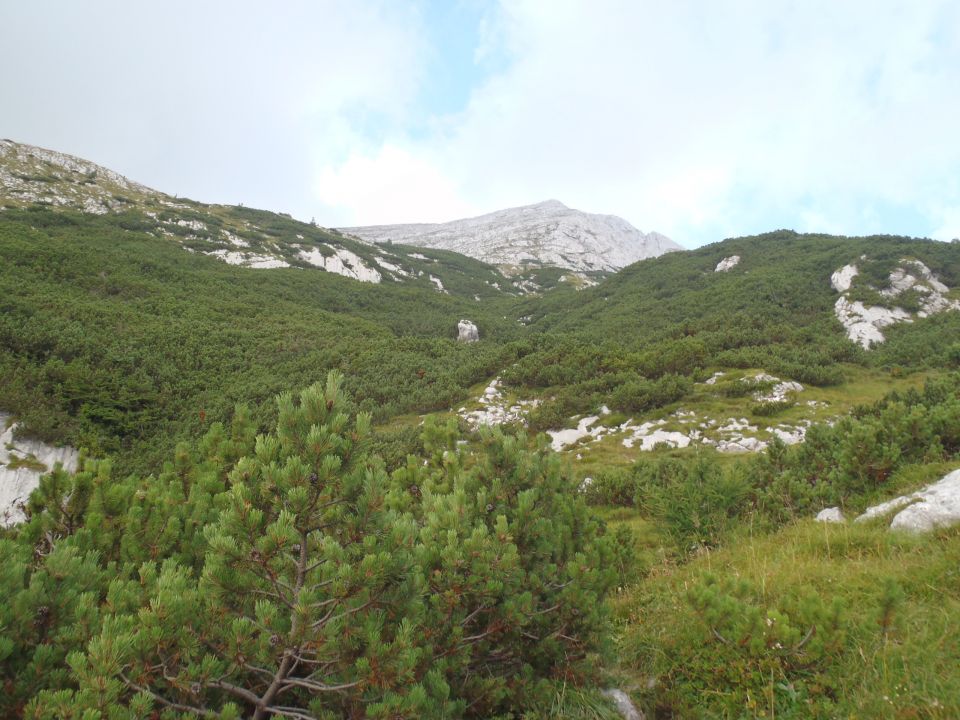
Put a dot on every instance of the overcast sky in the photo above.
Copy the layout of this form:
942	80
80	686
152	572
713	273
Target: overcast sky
701	119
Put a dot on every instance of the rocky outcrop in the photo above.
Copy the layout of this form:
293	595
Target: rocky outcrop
727	264
342	262
22	463
935	506
864	324
467	331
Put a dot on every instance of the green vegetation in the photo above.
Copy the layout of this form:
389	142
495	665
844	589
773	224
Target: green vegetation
339	554
289	574
117	341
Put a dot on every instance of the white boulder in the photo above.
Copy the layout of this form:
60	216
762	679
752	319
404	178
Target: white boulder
830	515
467	331
937	505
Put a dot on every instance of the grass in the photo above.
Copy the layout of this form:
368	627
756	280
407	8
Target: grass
863	386
29	462
907	666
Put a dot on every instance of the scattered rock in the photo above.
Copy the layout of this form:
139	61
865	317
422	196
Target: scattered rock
467	331
649	436
937	505
494	410
830	515
780	390
741	445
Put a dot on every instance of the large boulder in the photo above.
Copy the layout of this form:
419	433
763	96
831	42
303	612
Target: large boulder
467	331
935	506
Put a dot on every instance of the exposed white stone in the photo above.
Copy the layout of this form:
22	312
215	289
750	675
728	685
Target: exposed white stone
234	240
728	263
780	392
713	380
265	262
863	323
194	225
935	506
790	435
843	278
467	331
16	484
649	437
562	438
494	410
830	515
342	262
741	445
436	281
249	260
392	267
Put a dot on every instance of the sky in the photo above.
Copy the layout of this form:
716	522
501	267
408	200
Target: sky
700	119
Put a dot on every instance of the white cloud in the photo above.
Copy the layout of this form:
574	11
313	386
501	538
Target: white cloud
222	101
392	186
698	119
705	120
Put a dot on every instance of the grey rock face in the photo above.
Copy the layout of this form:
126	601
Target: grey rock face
549	233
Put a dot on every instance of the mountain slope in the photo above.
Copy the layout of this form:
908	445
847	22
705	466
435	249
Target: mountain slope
256	239
548	233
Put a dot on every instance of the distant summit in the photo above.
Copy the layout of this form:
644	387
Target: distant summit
547	233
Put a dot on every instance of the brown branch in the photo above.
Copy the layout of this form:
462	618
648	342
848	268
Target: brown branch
320	687
168	703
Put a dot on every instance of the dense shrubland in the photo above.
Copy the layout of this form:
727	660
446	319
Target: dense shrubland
220	554
289	574
121	342
700	498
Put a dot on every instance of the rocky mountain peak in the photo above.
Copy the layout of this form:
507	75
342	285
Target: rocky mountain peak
545	233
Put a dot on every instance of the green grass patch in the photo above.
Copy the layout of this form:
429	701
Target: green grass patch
879	608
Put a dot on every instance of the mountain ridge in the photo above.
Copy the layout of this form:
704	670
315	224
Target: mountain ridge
545	233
